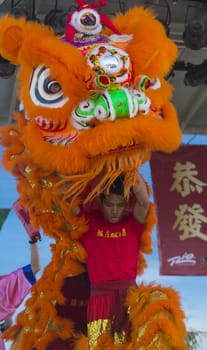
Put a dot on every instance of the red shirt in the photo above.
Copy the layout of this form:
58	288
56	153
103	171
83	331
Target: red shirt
112	248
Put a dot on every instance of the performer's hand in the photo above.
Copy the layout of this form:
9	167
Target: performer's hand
139	188
23	215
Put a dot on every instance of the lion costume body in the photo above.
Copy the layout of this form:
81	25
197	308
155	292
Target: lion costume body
91	111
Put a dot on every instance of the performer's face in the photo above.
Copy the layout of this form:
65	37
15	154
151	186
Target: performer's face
113	207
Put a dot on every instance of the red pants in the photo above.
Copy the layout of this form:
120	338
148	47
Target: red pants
107	312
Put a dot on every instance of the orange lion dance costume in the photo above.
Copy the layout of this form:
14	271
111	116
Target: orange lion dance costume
95	105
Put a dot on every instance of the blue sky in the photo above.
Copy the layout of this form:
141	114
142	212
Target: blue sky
14	252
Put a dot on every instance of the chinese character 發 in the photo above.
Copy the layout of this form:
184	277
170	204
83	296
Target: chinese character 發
189	221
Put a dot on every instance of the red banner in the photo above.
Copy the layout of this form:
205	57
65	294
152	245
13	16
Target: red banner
180	193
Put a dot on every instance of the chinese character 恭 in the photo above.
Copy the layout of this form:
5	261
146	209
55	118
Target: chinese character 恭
186	181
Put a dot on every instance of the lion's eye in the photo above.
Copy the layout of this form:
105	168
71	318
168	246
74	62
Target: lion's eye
44	90
52	87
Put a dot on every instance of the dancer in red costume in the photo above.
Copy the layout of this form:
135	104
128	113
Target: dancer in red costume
112	244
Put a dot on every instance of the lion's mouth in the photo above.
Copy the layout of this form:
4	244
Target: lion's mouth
50	125
58	134
61	133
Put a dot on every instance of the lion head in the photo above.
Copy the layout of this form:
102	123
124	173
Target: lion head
92	106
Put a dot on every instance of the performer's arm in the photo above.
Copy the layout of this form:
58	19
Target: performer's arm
142	200
34	258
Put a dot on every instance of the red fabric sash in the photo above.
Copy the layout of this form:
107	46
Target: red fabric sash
119	310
